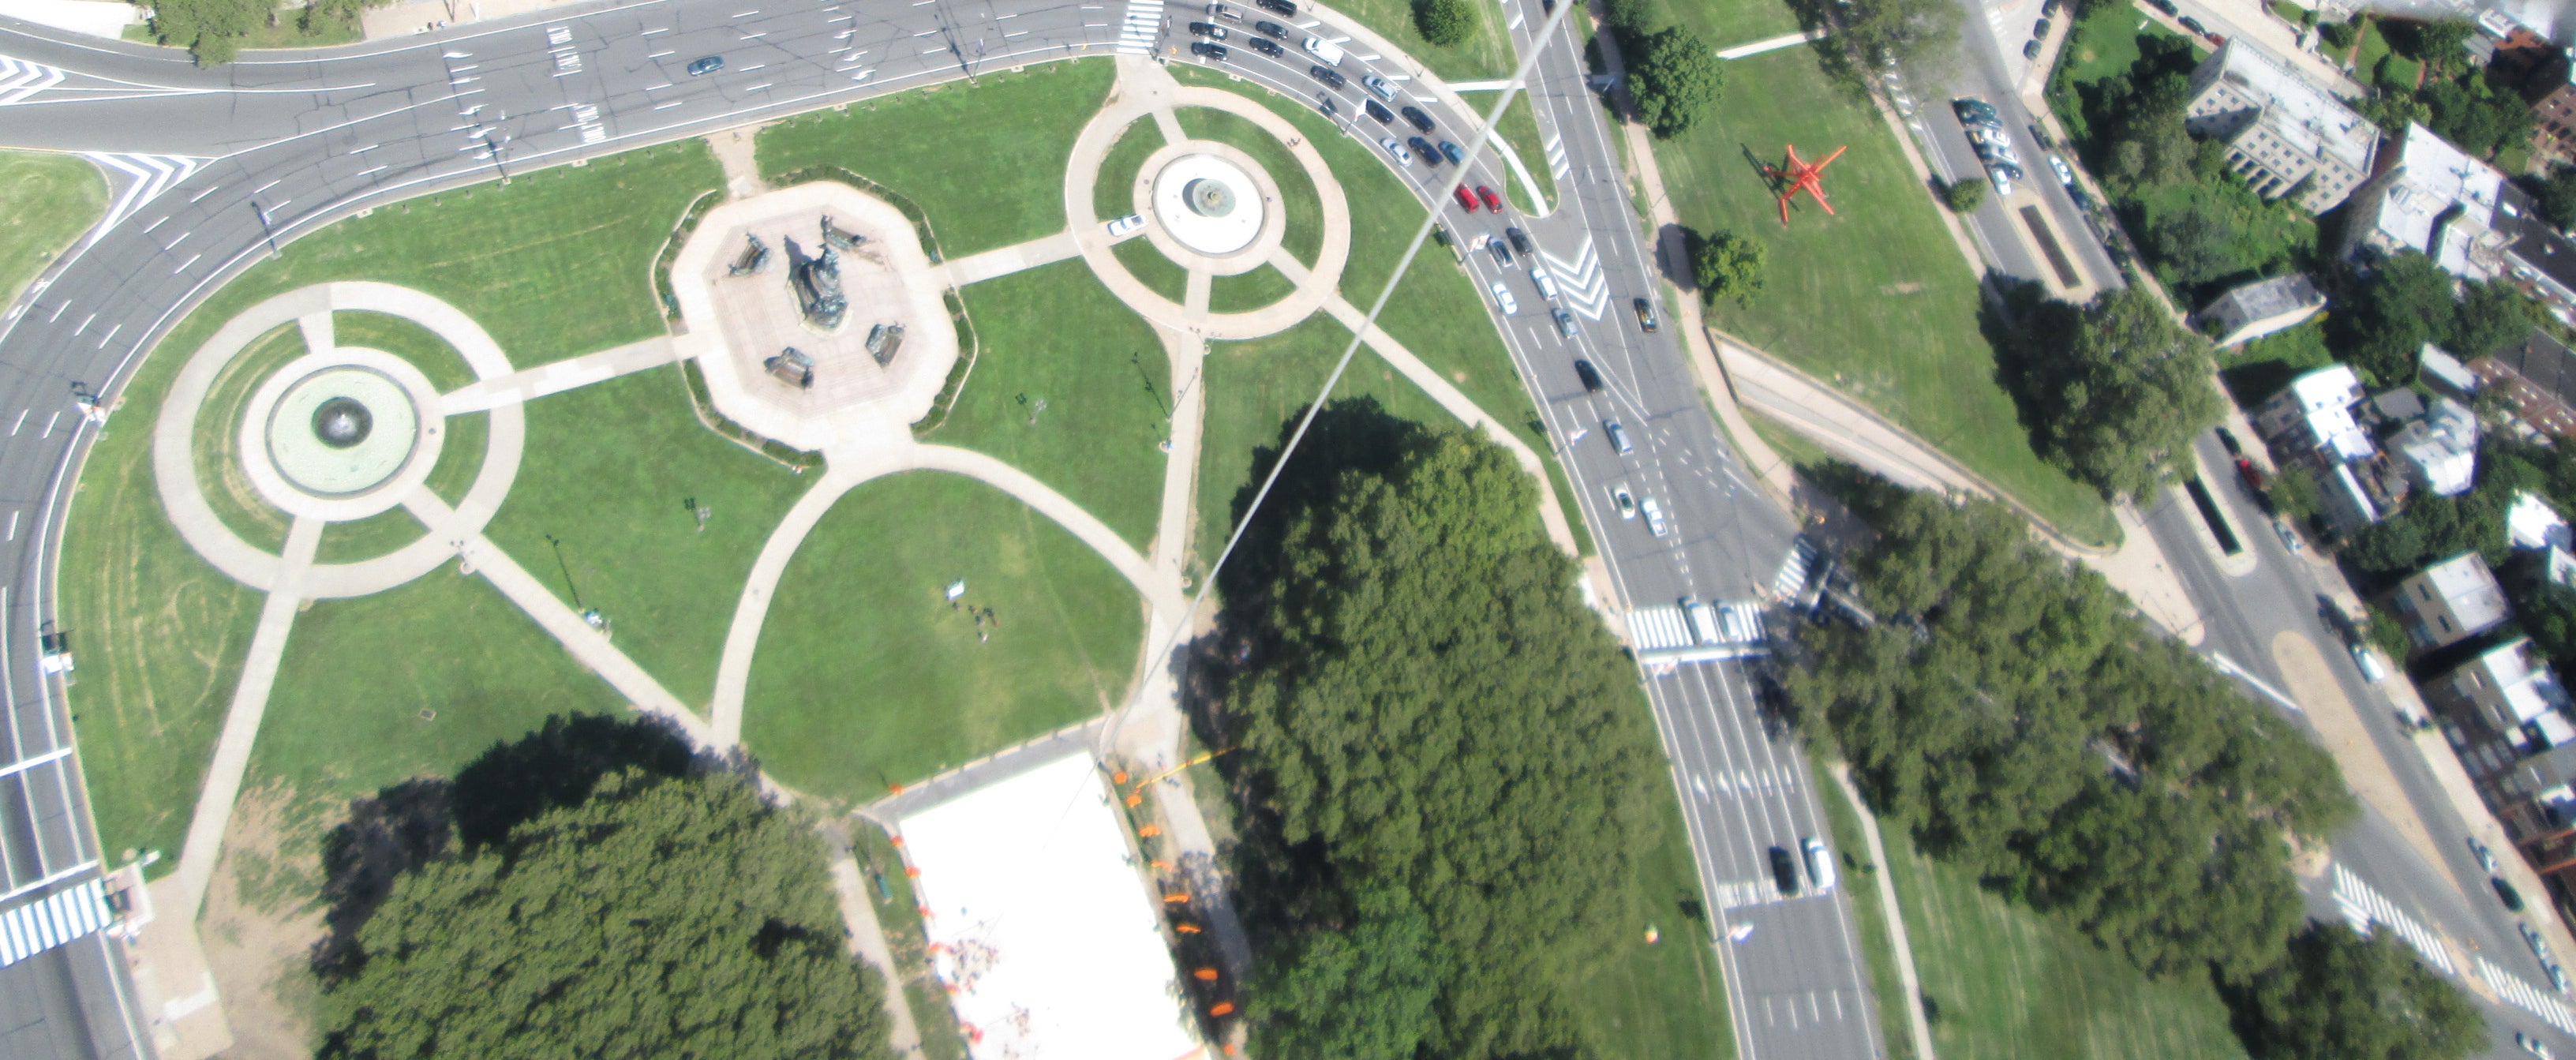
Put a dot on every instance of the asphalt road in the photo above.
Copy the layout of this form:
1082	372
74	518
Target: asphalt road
272	149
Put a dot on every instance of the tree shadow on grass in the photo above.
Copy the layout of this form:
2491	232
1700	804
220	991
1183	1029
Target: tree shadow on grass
407	826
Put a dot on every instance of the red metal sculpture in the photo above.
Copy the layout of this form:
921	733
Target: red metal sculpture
1800	176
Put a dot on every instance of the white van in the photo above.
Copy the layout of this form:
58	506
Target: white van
1328	51
1703	626
1820	864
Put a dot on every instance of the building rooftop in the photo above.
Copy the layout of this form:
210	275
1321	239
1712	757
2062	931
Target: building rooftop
2530	689
2263	299
2532	523
2545	252
2441	450
2442	203
2543	362
2302	113
2464	582
2325	398
2438	368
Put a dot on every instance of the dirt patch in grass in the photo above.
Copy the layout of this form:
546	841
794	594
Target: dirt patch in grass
261	922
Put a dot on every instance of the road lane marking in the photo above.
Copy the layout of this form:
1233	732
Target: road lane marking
49	423
22	421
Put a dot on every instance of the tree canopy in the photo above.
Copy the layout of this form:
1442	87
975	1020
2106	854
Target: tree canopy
657	917
1455	768
1880	32
2409	301
1726	265
2019	718
1674	78
2111	390
2340	996
1445	22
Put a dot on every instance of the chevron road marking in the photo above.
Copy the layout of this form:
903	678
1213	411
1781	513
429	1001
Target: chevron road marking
1585	287
147	177
20	79
1143	23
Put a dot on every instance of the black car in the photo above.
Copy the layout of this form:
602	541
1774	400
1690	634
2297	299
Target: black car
2165	6
1502	252
1378	111
1422	147
2505	893
1520	239
2193	25
1784	871
1645	313
1208	30
1272	28
706	65
1277	7
2227	441
1264	45
1212	51
2030	50
1590	376
1329	76
2039	28
1420	120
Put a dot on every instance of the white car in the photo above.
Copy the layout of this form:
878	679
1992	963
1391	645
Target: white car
2373	671
1546	286
1820	864
2065	175
1626	501
2003	184
2486	857
1379	87
1654	516
1325	50
1122	227
1503	299
1396	151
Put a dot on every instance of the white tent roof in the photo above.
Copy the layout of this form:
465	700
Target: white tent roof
1041	923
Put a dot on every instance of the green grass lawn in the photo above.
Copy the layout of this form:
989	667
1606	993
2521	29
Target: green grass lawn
1248	291
2272	237
1113	195
1878	947
1519	131
160	633
345	718
2104	43
1147	264
628	541
2004	982
218	450
866	675
1667	1000
2259	369
1054	333
925	145
1254	387
46	202
1486	54
386	333
1875	300
1304	236
458	460
2374	47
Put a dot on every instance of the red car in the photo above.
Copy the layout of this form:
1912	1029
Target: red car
1465	201
1492	201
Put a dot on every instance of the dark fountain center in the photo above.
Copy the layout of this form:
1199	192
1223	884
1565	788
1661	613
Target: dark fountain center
342	422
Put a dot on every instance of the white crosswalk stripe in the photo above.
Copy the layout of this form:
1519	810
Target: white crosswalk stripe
1734	893
1556	161
1143	23
35	927
2364	907
147	176
1585	287
2529	998
1792	579
20	79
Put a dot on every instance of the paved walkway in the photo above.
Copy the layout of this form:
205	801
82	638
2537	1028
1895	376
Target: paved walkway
867	936
1917	1027
1786	40
486	394
1003	261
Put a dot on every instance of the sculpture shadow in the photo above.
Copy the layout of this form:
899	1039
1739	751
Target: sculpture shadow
410	825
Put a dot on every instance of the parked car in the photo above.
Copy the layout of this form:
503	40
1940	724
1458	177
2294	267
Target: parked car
1502	251
2531	938
1396	151
2486	857
1820	863
1520	239
1204	29
2165	6
1328	75
1423	148
1378	87
2227	440
1378	111
704	65
1618	434
1418	119
1492	201
1972	111
1265	46
1784	872
1466	201
2039	28
2065	173
1589	376
1119	228
1277	7
2506	893
1503	299
1645	314
1214	52
1451	151
1654	517
2557	976
2289	537
2531	1045
2003	184
2372	670
1564	323
1627	503
2193	25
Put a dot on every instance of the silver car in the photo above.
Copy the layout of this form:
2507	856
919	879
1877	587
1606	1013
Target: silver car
1654	516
